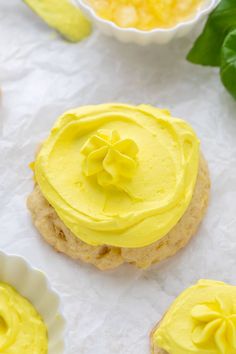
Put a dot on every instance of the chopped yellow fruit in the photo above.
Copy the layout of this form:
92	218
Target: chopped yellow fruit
126	16
146	15
61	15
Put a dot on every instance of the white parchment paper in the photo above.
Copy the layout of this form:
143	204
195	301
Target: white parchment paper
41	76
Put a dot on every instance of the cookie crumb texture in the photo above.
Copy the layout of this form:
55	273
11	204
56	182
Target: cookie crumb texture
108	257
154	349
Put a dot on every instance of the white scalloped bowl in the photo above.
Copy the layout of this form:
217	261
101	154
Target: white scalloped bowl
158	35
33	285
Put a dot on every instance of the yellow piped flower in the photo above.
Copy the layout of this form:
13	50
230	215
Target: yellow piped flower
110	158
216	321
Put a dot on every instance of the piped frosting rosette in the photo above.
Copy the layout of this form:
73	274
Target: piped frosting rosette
202	320
117	174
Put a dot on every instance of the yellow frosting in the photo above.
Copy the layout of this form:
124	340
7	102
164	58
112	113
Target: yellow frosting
22	330
110	158
202	320
117	174
146	15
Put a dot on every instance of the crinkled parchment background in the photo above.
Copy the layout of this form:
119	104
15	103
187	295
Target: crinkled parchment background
41	76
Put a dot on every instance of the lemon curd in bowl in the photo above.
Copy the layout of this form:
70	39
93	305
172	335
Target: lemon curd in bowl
146	15
22	329
30	313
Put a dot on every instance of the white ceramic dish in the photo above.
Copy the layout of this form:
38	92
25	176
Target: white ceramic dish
33	284
159	36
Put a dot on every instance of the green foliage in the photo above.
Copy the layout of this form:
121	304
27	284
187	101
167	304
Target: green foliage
216	46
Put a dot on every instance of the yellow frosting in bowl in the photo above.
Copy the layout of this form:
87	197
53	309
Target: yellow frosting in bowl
202	320
22	330
146	15
117	174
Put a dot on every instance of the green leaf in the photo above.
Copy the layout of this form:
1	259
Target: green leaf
61	15
228	63
207	48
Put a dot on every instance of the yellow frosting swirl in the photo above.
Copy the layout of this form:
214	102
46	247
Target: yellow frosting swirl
110	158
202	320
119	175
22	330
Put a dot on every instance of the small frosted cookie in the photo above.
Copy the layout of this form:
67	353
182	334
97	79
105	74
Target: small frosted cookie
116	183
202	320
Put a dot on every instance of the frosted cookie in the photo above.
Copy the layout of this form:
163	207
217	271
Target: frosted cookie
118	183
201	320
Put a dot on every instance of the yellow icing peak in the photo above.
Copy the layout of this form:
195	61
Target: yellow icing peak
202	320
108	157
215	321
117	174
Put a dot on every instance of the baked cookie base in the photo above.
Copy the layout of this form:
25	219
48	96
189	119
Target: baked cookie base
107	257
154	348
